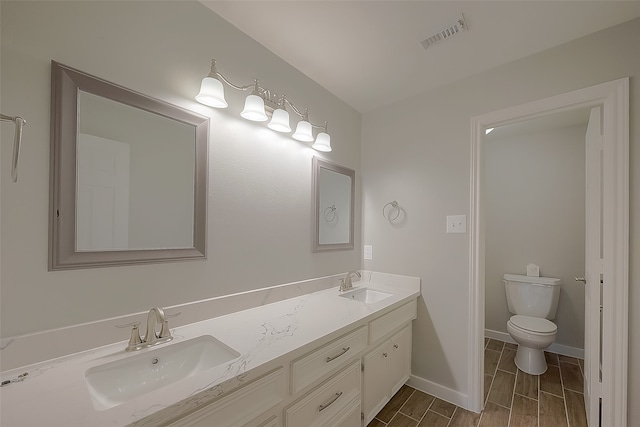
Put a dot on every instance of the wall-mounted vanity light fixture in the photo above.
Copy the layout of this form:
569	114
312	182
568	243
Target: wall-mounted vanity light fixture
260	102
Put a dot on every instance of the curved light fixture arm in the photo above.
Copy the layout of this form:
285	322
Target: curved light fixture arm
305	115
271	100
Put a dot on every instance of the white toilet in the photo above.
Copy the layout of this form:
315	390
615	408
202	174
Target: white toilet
533	301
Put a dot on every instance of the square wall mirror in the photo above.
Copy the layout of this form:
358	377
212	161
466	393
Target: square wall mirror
128	176
333	201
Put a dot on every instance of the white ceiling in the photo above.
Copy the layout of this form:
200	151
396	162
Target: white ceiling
368	53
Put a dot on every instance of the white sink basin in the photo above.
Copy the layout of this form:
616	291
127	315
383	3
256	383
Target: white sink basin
117	382
366	295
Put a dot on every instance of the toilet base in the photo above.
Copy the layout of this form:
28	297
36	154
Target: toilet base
531	360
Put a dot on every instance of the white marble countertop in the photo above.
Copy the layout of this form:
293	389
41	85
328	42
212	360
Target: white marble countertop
55	392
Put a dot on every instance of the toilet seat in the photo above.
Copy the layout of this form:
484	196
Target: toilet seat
535	325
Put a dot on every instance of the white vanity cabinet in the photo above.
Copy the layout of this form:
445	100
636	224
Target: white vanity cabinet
342	383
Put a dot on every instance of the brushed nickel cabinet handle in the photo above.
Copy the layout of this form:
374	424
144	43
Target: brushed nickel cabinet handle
344	350
329	403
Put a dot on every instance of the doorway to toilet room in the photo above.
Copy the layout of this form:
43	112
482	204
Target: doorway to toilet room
534	192
605	236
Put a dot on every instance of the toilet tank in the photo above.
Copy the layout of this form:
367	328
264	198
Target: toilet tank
532	296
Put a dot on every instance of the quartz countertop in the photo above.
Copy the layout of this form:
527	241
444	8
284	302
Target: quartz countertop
55	392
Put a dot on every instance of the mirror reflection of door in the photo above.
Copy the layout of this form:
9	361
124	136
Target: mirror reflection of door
103	194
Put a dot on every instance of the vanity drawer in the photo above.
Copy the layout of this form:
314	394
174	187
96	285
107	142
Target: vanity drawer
240	406
391	321
325	359
330	404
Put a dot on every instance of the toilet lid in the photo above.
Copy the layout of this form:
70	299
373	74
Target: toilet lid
533	324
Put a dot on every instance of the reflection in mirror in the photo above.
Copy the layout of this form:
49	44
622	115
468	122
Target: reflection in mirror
128	176
334	188
135	176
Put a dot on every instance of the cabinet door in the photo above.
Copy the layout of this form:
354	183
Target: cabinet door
400	359
376	390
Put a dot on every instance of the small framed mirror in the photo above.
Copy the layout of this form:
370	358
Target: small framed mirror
333	201
128	176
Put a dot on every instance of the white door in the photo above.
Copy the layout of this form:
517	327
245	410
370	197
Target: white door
593	273
102	214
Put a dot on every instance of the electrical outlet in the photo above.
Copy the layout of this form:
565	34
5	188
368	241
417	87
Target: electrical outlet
456	224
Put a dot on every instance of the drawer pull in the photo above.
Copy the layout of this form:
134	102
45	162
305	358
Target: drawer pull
395	346
385	354
344	350
329	403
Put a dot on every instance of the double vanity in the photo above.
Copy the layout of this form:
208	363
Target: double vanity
326	358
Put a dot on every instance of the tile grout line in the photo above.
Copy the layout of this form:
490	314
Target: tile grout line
425	412
401	406
538	382
513	395
452	415
564	398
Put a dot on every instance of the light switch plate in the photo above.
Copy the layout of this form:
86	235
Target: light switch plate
368	252
456	224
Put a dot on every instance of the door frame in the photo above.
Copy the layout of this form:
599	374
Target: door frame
613	97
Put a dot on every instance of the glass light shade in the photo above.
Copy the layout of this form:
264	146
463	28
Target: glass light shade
254	109
323	142
211	93
280	121
303	132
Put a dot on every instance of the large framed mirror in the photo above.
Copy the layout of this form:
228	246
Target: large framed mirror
333	201
128	176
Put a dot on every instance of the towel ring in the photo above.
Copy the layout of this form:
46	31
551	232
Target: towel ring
330	212
387	214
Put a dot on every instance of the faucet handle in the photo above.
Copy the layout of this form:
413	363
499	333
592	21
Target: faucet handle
134	339
165	332
134	324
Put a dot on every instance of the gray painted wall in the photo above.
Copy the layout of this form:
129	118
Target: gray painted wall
259	194
534	213
418	153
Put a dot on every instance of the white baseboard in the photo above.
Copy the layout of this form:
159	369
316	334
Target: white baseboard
565	350
439	391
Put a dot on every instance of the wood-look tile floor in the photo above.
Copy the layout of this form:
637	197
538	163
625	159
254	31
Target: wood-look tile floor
512	397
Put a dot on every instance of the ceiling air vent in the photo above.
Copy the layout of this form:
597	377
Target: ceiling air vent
450	31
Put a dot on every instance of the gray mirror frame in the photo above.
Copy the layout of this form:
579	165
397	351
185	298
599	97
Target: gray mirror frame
324	164
65	84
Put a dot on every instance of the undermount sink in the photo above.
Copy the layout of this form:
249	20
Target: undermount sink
114	383
366	295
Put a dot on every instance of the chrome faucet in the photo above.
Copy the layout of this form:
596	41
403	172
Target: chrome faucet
156	316
346	284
